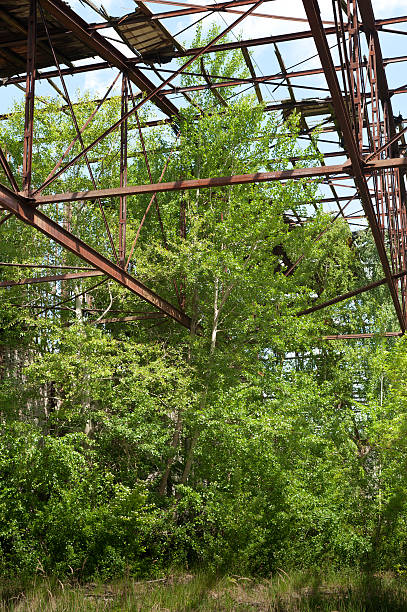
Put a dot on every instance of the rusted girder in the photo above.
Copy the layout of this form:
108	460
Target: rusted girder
49	279
134	18
123	174
349	294
139	317
10	264
229	81
342	116
220	181
190	10
226	7
361	336
7	170
278	38
29	97
23	210
369	28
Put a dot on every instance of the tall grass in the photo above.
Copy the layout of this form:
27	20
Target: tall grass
296	592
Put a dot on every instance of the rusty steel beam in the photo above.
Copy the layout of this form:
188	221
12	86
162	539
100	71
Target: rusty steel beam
252	71
386	145
361	336
342	116
23	210
220	181
207	78
254	42
123	174
226	7
29	97
8	264
380	23
139	317
49	279
8	171
349	294
279	38
220	7
192	9
270	78
399	202
71	20
14	80
369	28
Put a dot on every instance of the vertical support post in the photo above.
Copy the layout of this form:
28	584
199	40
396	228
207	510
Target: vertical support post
66	224
123	174
183	234
352	147
29	97
354	71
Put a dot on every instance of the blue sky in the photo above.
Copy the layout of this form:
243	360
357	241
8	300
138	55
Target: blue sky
252	27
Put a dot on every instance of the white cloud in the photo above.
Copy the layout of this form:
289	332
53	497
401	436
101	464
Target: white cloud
389	8
98	82
113	7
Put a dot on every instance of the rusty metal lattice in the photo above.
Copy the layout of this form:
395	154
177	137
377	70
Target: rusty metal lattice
45	39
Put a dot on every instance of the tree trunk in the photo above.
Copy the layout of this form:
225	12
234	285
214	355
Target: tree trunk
174	445
194	440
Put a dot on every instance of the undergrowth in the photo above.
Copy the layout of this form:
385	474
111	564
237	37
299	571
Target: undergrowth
348	591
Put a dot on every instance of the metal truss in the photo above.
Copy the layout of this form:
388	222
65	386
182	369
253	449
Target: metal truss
356	108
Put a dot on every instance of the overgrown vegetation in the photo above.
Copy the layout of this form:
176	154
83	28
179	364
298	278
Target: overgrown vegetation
251	447
297	592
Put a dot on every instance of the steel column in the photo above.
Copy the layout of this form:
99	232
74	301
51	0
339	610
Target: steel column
123	175
342	116
29	97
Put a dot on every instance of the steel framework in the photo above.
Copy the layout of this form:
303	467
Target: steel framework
45	39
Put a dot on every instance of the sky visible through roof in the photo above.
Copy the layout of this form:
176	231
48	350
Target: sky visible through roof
301	54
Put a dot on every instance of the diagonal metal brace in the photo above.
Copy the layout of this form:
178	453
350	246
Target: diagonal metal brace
23	209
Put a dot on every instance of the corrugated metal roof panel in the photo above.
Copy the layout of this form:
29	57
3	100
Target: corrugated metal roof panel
13	43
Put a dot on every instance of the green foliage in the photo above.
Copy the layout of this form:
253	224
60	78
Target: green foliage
252	444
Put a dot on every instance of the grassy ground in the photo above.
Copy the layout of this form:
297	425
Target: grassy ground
300	592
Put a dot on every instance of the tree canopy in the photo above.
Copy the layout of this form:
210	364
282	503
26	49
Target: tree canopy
249	441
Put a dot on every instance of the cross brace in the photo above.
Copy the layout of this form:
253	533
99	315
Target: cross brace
23	210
